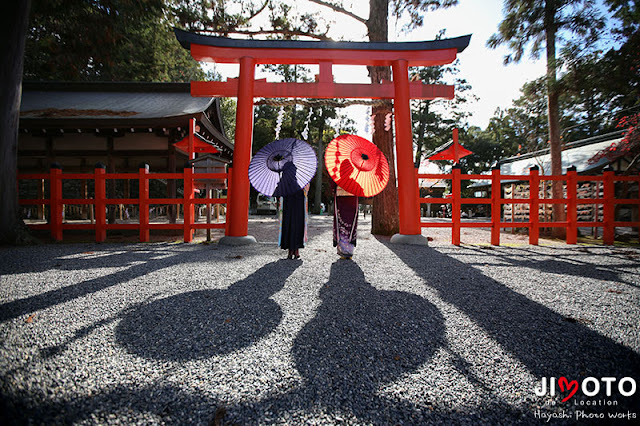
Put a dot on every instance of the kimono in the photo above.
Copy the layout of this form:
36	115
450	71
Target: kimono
345	222
294	218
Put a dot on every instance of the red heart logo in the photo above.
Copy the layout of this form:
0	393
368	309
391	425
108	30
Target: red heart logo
565	385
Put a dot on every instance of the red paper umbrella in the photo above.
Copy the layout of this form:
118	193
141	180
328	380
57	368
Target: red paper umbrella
357	165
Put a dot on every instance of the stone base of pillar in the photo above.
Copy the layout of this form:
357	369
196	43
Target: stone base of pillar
415	240
237	241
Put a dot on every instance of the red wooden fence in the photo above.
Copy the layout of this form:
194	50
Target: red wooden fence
56	202
571	178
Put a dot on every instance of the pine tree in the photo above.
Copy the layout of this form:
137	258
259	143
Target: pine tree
107	40
530	24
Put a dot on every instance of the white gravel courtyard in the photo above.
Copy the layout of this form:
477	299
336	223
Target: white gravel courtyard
174	333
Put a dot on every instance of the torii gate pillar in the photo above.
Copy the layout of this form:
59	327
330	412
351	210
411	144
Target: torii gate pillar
238	202
408	203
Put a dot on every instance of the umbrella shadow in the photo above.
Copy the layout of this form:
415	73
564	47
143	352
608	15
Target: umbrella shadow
201	324
360	339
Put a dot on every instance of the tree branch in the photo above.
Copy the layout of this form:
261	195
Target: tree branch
632	164
285	32
256	13
340	10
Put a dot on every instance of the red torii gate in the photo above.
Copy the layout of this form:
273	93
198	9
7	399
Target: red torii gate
249	53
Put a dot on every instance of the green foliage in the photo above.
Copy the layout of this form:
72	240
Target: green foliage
207	15
602	87
595	90
628	15
105	40
486	148
225	17
295	117
228	112
434	120
416	9
527	23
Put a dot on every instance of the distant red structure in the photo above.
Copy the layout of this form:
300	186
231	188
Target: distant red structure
194	143
451	151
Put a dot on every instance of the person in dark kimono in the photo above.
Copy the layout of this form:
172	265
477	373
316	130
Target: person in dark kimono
293	214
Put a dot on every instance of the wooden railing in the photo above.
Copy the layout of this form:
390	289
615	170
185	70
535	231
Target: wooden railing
496	223
56	224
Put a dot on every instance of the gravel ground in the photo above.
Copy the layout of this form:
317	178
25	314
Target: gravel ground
172	333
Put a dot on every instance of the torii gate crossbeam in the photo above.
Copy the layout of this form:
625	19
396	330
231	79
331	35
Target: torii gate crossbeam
249	53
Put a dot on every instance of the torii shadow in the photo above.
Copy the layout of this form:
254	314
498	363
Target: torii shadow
542	339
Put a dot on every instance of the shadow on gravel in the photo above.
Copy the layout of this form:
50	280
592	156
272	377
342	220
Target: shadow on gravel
135	261
161	404
73	257
543	340
201	324
360	340
362	337
139	262
578	263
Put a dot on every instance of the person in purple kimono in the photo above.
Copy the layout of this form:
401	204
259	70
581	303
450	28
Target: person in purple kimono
345	221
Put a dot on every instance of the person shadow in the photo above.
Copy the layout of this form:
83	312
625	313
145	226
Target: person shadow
204	323
288	183
360	340
347	182
363	338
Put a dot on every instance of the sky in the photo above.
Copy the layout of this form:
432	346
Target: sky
495	84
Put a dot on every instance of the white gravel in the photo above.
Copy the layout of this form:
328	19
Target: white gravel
172	333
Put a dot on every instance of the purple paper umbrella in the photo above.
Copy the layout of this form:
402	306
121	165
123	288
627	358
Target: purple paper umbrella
282	167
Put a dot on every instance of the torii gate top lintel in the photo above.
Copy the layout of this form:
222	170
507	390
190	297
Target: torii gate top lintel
228	50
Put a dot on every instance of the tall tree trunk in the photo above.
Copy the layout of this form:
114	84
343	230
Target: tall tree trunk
553	95
384	217
318	187
13	35
424	109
